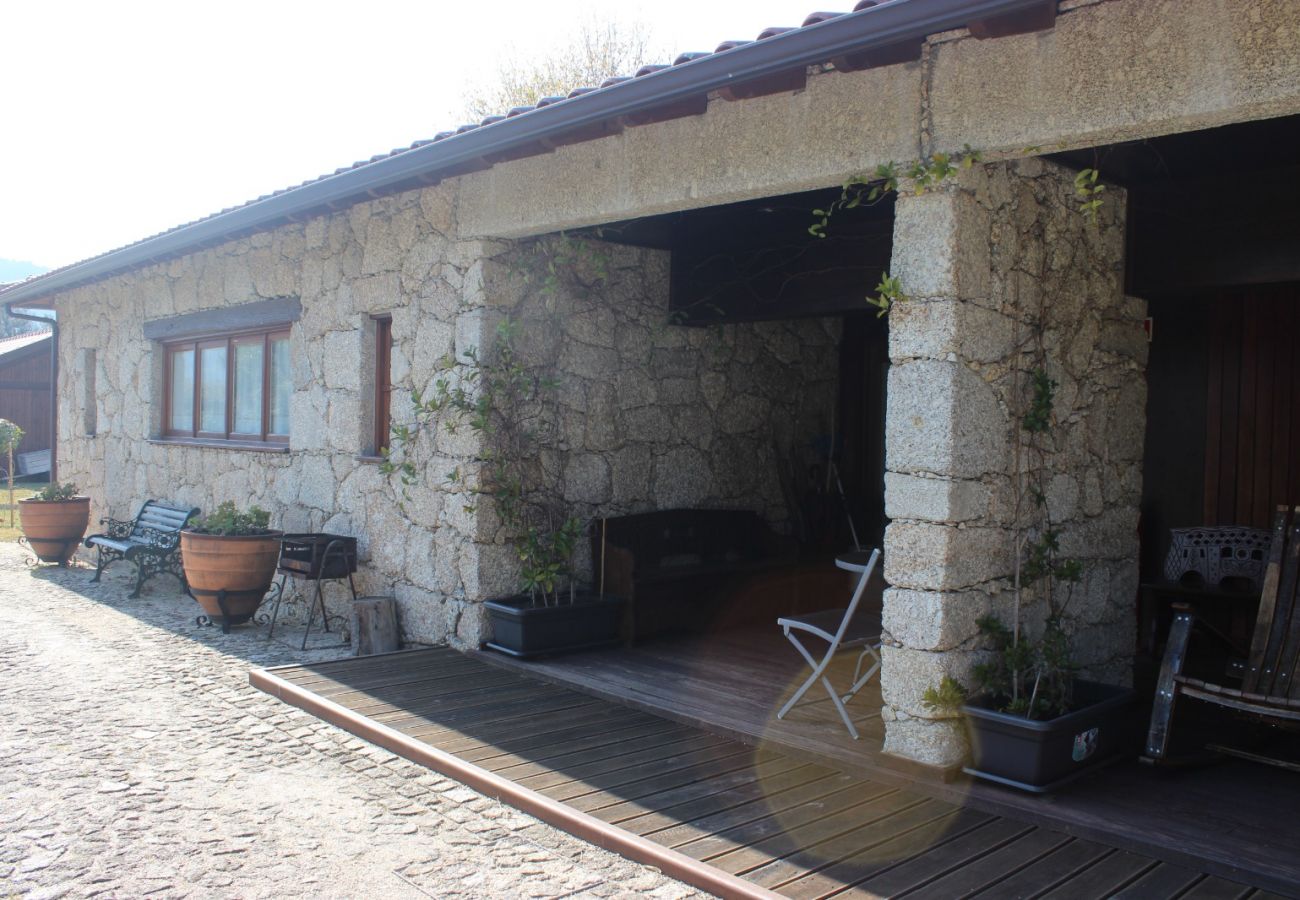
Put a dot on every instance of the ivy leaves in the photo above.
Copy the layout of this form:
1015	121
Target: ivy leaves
1088	191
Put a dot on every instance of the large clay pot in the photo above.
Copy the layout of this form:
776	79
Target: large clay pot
240	565
54	528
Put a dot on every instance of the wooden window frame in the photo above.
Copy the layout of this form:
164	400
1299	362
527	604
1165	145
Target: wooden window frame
228	437
383	383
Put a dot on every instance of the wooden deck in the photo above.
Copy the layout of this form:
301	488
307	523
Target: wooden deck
1234	819
730	816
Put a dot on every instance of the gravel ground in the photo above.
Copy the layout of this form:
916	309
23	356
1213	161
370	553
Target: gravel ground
136	761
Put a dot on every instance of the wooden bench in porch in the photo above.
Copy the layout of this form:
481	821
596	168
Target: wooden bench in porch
1267	684
151	540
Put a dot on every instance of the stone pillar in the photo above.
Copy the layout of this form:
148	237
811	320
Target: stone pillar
978	257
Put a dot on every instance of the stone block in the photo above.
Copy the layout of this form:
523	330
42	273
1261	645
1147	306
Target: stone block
934	621
932	743
907	674
930	557
944	419
934	499
587	478
681	478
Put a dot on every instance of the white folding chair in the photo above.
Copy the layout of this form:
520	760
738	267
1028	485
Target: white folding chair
841	629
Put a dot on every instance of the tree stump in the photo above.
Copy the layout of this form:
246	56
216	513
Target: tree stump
374	626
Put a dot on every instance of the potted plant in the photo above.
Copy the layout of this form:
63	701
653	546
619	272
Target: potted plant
229	558
505	402
54	521
1032	723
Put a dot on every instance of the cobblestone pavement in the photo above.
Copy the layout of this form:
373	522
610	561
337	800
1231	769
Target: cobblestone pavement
136	761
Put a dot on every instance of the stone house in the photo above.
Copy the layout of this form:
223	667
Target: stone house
260	353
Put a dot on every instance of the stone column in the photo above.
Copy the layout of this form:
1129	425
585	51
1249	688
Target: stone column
978	257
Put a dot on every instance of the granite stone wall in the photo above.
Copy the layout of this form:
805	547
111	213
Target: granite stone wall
392	255
650	415
989	262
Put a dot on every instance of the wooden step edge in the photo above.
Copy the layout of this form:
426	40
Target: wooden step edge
579	824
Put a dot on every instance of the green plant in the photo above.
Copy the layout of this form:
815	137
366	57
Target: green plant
54	492
229	521
504	402
947	697
1088	191
888	292
1033	676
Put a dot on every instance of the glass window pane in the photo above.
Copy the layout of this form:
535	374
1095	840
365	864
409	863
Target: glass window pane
248	388
281	385
182	399
212	391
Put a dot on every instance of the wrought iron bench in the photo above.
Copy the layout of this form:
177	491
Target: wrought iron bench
151	541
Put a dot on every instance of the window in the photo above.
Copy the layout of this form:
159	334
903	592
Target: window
383	382
229	388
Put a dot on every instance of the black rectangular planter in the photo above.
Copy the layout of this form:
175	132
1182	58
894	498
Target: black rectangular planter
1040	756
522	629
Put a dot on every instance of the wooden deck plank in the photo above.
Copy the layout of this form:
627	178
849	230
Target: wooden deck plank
712	796
1164	880
539	722
496	709
861	842
809	840
703	788
558	745
632	764
839	878
790	827
1103	878
1058	867
776	815
640	781
1127	805
412	684
1217	889
765	807
941	859
994	867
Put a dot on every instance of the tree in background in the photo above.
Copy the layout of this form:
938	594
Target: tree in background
598	50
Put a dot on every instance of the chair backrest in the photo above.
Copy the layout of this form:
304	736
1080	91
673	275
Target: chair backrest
1271	668
1216	552
162	517
852	610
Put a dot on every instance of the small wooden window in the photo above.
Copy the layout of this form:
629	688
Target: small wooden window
383	383
228	388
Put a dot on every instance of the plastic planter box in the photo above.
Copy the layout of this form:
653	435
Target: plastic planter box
521	629
1042	755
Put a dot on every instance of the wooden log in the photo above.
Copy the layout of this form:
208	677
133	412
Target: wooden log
374	626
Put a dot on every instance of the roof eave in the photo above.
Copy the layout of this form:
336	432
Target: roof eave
878	27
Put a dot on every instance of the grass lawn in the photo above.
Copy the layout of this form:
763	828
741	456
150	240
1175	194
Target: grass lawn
21	492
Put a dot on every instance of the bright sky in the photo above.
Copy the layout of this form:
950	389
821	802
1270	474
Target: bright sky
123	119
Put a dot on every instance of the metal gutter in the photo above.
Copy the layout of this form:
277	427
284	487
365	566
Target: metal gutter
882	26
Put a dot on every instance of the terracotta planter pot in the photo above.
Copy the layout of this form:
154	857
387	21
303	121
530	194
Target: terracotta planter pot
54	528
240	565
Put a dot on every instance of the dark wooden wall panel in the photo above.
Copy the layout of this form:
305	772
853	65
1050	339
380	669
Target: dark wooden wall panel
25	397
1252	419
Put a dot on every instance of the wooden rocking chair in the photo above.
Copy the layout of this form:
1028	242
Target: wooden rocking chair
1269	677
